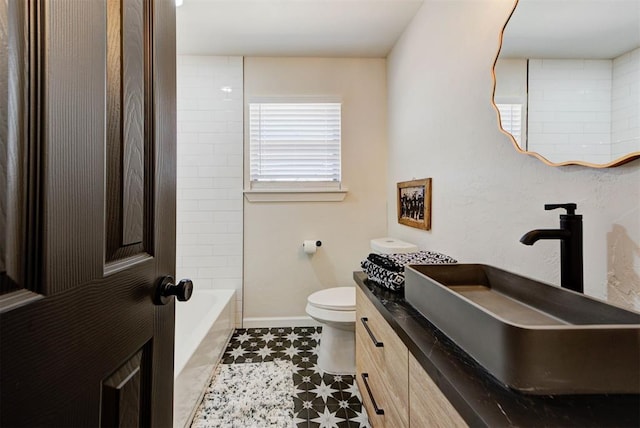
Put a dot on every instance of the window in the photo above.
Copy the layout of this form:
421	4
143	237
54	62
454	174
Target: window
294	144
511	120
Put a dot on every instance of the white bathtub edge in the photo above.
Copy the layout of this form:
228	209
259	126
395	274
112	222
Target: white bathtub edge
192	339
191	382
186	422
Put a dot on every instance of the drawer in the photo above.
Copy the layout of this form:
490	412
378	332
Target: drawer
392	349
365	365
389	361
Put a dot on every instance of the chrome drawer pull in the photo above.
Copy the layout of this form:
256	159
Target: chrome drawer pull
378	411
366	327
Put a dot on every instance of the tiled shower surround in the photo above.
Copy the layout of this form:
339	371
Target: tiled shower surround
569	109
625	107
589	104
320	399
209	182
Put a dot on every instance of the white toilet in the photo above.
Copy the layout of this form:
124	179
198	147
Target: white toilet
335	309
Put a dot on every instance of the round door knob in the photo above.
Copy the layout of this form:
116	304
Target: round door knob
167	288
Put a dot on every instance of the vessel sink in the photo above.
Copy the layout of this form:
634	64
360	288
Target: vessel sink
533	337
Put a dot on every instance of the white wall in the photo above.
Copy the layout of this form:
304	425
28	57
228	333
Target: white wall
209	182
570	109
485	194
625	104
278	276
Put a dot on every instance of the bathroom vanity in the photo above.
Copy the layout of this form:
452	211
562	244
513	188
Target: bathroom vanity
390	378
415	376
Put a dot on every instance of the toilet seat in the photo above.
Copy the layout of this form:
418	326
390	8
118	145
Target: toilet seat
334	299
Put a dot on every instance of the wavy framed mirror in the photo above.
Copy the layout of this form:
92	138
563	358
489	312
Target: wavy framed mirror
567	81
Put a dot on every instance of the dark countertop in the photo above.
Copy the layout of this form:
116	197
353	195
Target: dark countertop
479	397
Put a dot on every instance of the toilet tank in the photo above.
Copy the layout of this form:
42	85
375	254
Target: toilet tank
391	246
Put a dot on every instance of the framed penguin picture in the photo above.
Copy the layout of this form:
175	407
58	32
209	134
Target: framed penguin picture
414	203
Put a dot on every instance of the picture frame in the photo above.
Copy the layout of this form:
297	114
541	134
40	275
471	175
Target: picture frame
414	203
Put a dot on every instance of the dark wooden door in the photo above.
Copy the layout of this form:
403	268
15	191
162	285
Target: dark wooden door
87	212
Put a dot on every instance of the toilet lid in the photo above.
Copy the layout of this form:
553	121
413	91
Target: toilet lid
336	299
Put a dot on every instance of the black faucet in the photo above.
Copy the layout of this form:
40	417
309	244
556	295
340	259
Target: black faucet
570	236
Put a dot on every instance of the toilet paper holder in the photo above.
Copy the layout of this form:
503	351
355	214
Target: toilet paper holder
309	246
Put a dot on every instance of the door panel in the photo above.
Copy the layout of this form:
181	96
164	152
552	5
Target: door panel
13	134
90	348
63	351
123	403
134	70
129	142
73	126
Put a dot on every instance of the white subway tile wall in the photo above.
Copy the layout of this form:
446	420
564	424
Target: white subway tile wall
570	109
209	183
625	107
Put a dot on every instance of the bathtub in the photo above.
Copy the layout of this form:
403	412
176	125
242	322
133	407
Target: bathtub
203	327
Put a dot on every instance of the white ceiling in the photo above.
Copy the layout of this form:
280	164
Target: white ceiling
370	28
596	29
330	28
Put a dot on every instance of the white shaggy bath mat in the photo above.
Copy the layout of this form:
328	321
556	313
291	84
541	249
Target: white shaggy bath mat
246	395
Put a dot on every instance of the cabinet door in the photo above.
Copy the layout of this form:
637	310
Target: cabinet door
389	362
428	406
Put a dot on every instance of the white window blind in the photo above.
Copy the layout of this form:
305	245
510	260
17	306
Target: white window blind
511	120
295	142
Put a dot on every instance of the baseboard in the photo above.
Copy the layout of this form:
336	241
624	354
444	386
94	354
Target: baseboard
301	321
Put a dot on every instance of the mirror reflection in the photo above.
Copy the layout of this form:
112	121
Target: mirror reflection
568	80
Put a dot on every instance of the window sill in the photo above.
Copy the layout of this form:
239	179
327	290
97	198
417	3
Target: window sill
295	195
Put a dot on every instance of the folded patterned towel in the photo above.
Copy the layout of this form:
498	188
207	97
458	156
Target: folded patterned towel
385	262
386	278
420	258
387	270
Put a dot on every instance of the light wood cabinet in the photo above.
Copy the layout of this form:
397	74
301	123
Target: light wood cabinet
429	407
382	356
396	391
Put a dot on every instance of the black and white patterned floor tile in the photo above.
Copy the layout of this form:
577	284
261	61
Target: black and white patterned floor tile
321	400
